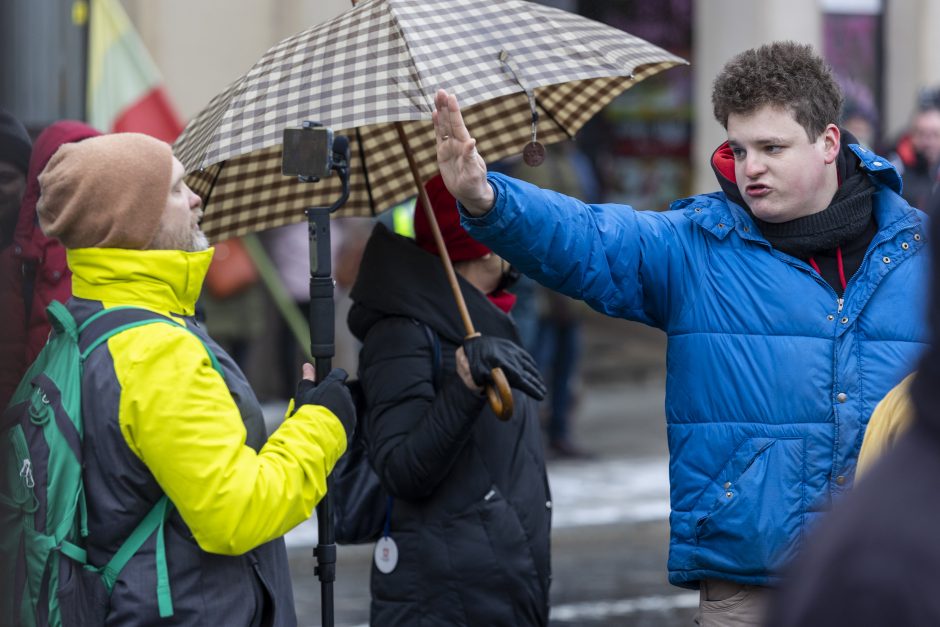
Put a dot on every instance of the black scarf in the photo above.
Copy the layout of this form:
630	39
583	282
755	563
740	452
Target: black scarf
845	219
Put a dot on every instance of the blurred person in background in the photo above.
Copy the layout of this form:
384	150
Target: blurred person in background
15	147
288	248
557	342
859	112
862	122
233	302
917	154
39	272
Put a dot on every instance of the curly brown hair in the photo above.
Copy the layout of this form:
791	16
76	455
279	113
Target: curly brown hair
782	74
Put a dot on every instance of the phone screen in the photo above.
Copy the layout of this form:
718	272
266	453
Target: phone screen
307	152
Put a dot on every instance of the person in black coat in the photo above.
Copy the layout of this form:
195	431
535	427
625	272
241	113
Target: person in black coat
875	559
470	513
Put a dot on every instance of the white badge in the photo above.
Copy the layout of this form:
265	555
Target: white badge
386	555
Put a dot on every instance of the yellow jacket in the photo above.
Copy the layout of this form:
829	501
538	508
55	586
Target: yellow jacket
177	415
892	416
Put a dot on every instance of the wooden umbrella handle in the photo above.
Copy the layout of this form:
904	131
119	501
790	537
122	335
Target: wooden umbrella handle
500	395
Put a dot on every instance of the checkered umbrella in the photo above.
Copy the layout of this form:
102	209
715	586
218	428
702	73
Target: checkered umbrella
380	64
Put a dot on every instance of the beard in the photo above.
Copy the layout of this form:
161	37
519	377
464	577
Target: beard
192	240
189	237
198	241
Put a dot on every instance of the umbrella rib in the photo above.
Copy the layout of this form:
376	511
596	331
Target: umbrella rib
365	170
205	202
554	119
419	79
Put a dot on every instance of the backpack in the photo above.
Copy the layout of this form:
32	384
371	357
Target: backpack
360	503
46	578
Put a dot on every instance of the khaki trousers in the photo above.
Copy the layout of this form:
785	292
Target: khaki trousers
729	604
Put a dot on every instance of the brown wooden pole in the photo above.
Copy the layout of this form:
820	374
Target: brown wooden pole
500	398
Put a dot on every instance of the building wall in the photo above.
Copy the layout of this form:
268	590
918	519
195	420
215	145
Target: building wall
201	47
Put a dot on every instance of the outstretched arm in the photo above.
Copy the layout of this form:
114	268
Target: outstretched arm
461	166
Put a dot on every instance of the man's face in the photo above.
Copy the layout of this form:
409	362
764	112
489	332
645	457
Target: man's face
179	226
781	174
12	188
925	135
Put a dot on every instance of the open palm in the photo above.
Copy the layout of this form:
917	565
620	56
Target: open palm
461	166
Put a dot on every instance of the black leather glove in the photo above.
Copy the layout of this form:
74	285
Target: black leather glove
485	353
331	393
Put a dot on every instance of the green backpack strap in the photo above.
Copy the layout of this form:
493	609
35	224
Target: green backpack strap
153	521
60	318
121	319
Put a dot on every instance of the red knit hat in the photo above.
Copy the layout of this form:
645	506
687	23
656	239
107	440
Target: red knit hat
460	246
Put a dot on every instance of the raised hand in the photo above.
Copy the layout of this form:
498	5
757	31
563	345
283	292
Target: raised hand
461	166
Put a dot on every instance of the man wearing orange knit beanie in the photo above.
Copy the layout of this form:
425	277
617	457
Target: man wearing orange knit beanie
161	417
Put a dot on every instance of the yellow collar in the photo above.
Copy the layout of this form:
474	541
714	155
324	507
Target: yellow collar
162	280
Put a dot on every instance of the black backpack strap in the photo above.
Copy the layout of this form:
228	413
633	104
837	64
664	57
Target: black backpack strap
104	324
435	343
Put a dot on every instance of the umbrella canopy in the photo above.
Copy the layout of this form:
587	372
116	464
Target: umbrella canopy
380	64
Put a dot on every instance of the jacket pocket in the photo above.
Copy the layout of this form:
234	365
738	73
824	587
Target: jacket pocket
83	599
750	517
492	564
267	609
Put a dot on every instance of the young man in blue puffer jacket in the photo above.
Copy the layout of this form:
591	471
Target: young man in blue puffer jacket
793	301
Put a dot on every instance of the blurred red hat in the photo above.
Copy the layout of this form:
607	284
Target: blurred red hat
460	246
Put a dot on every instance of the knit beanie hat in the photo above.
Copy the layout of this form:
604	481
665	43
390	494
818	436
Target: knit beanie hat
460	246
15	144
106	192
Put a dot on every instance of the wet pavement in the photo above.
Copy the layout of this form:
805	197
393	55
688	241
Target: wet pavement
610	530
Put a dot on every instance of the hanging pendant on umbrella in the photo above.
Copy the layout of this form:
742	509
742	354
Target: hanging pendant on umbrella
533	153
